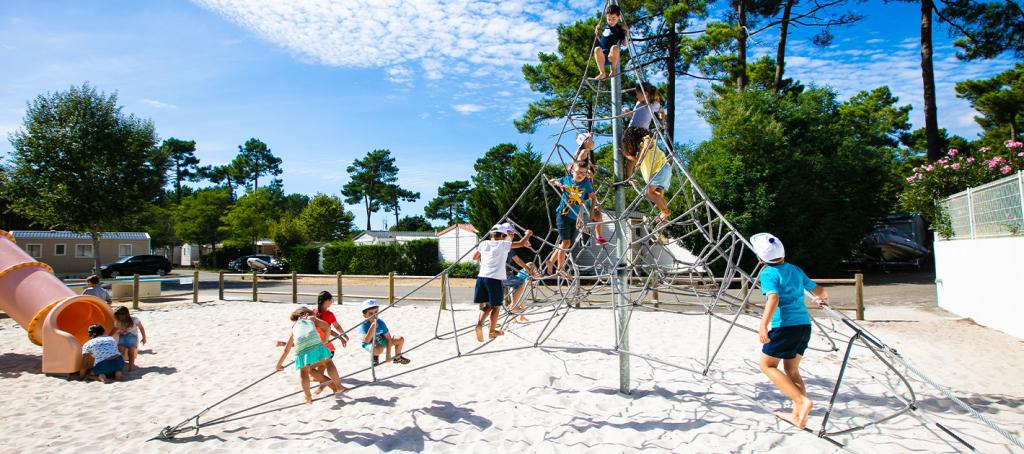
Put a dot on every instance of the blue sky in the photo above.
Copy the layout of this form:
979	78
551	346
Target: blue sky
435	81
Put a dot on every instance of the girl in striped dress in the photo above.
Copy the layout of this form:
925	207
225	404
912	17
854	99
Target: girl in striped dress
310	351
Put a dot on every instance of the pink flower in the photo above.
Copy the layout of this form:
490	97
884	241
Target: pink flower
929	168
955	165
1021	154
953	152
1006	169
984	149
970	159
910	179
1013	144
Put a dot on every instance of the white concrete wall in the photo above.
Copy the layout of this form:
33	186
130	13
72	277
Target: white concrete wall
981	279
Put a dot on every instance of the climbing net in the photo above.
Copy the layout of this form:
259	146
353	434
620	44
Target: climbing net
690	264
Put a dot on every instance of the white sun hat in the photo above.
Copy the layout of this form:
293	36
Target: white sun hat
508	228
767	247
369	304
582	137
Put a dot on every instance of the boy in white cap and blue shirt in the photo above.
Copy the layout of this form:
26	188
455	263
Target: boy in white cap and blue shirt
493	255
785	328
377	338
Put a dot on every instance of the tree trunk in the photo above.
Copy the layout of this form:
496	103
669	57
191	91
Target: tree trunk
397	209
931	122
741	45
1013	131
780	55
670	97
367	200
95	235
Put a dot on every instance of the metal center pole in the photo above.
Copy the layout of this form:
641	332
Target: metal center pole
621	280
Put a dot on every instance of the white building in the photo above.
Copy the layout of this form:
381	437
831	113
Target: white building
457	242
384	237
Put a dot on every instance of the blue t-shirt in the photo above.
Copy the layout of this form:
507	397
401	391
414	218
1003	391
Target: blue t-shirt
789	282
611	36
382	328
574	195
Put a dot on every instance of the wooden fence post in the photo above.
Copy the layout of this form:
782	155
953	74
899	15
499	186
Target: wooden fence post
135	291
340	296
444	294
295	288
195	287
220	286
255	287
391	288
859	295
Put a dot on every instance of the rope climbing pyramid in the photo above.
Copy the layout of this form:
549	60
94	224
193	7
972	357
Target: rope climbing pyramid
669	250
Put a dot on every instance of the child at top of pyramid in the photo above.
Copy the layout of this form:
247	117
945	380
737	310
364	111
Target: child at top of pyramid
783	285
656	171
610	36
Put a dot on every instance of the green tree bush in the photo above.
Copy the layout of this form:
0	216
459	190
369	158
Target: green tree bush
304	259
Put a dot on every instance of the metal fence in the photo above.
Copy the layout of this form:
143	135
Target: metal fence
991	210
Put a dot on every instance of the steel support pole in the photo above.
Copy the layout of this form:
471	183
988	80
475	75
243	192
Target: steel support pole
621	239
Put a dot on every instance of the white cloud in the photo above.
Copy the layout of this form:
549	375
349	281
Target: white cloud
158	104
875	41
435	35
467	109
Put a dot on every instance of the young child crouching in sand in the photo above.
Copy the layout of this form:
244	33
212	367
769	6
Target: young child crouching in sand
783	284
310	351
377	338
107	362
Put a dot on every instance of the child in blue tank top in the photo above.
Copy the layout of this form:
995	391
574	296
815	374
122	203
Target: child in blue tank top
785	328
610	36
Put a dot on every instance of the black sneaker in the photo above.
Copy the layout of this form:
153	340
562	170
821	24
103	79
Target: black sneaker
376	360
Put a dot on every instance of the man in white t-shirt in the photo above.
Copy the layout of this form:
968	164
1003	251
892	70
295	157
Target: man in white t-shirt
492	254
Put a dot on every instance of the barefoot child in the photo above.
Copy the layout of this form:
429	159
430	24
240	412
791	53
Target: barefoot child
517	282
324	301
656	171
106	360
784	284
646	108
128	327
310	351
377	338
612	35
492	254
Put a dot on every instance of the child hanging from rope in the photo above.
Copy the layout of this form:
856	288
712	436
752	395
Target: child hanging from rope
493	254
784	284
611	35
656	171
577	198
584	158
310	351
647	106
127	327
377	338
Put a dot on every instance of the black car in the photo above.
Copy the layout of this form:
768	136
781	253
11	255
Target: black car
137	264
241	264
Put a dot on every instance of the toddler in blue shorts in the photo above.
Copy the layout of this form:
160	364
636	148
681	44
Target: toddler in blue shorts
785	327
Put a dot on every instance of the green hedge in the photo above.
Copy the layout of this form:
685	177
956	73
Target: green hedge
413	258
304	259
463	269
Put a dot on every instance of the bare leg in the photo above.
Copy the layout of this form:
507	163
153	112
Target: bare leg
518	303
801	403
562	252
399	342
332	370
613	55
132	354
480	322
494	322
316	372
657	195
304	379
599	56
389	344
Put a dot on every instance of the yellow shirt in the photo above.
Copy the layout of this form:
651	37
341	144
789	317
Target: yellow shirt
651	158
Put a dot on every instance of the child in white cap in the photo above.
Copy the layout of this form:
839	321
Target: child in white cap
493	255
584	159
785	326
377	338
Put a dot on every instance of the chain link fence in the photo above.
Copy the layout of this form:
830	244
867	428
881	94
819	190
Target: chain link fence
991	210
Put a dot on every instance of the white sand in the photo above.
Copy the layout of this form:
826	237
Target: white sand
530	400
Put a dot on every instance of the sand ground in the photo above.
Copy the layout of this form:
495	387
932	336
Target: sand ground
509	395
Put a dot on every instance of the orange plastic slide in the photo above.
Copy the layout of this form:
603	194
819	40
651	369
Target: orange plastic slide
54	316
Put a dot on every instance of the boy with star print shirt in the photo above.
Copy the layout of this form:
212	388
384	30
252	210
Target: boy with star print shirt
576	190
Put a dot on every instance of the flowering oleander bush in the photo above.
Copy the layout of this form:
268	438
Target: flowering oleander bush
931	183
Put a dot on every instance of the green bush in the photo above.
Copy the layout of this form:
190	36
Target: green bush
419	258
462	269
304	259
375	259
337	256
